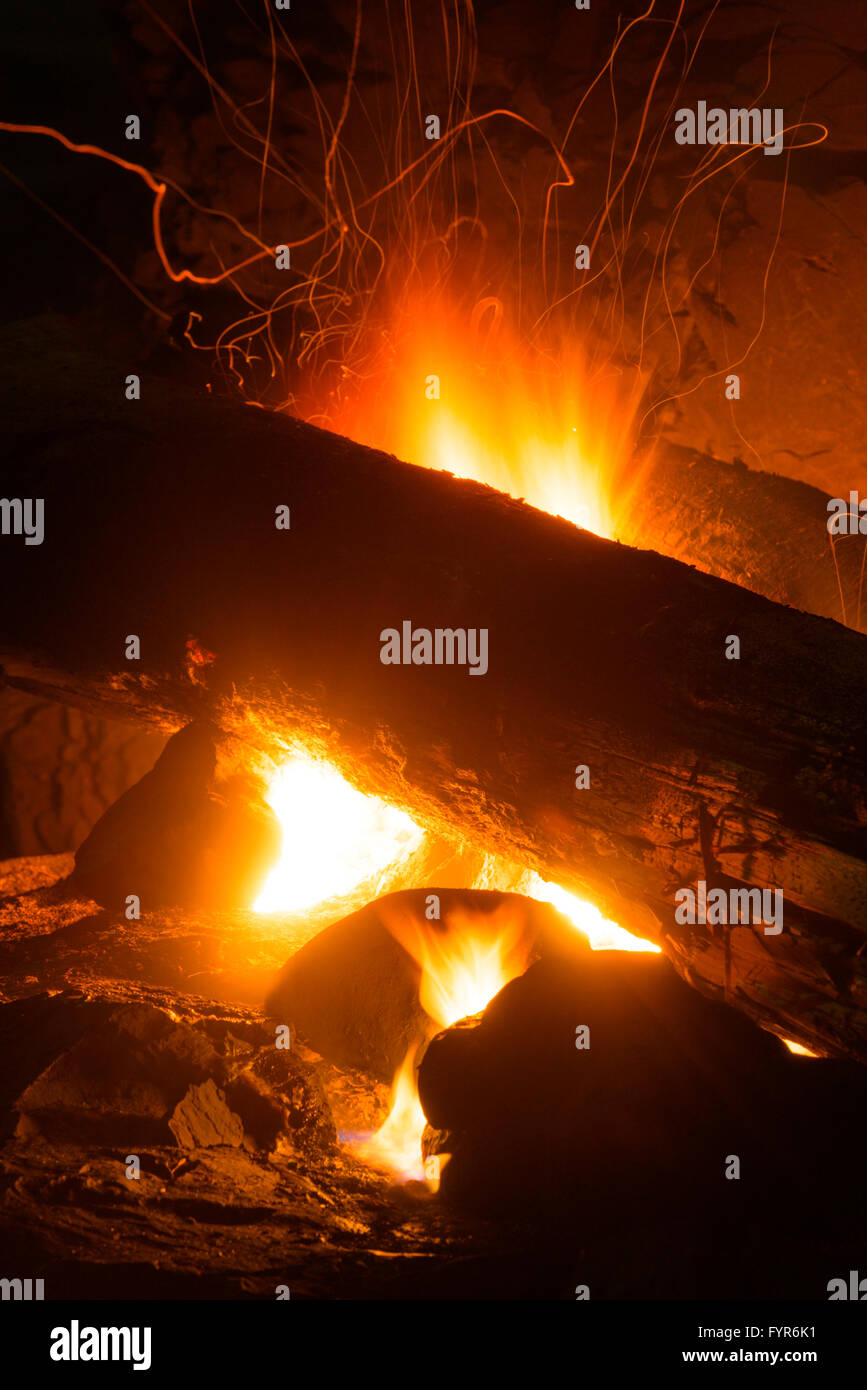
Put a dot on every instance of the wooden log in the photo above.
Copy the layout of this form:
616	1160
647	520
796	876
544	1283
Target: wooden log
160	523
760	530
598	1080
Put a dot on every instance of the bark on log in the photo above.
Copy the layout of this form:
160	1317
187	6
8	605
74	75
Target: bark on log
768	533
160	522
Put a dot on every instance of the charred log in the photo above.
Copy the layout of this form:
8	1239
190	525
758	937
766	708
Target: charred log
760	530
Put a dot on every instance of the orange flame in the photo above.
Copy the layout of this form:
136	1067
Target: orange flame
463	966
335	839
396	1146
602	934
465	392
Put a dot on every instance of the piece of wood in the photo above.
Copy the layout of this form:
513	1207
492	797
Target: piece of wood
160	522
599	1080
763	531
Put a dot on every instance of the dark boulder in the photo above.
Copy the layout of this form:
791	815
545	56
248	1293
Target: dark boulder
645	1118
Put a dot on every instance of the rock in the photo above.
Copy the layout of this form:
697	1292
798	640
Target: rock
302	1110
170	839
352	993
801	413
203	1120
60	769
120	1080
121	1065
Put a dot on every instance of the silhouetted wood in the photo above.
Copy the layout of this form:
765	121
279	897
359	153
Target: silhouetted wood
160	522
599	1080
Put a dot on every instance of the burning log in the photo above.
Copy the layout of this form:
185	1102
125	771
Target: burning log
640	727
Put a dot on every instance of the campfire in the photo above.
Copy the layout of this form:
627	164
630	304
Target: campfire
450	851
340	847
